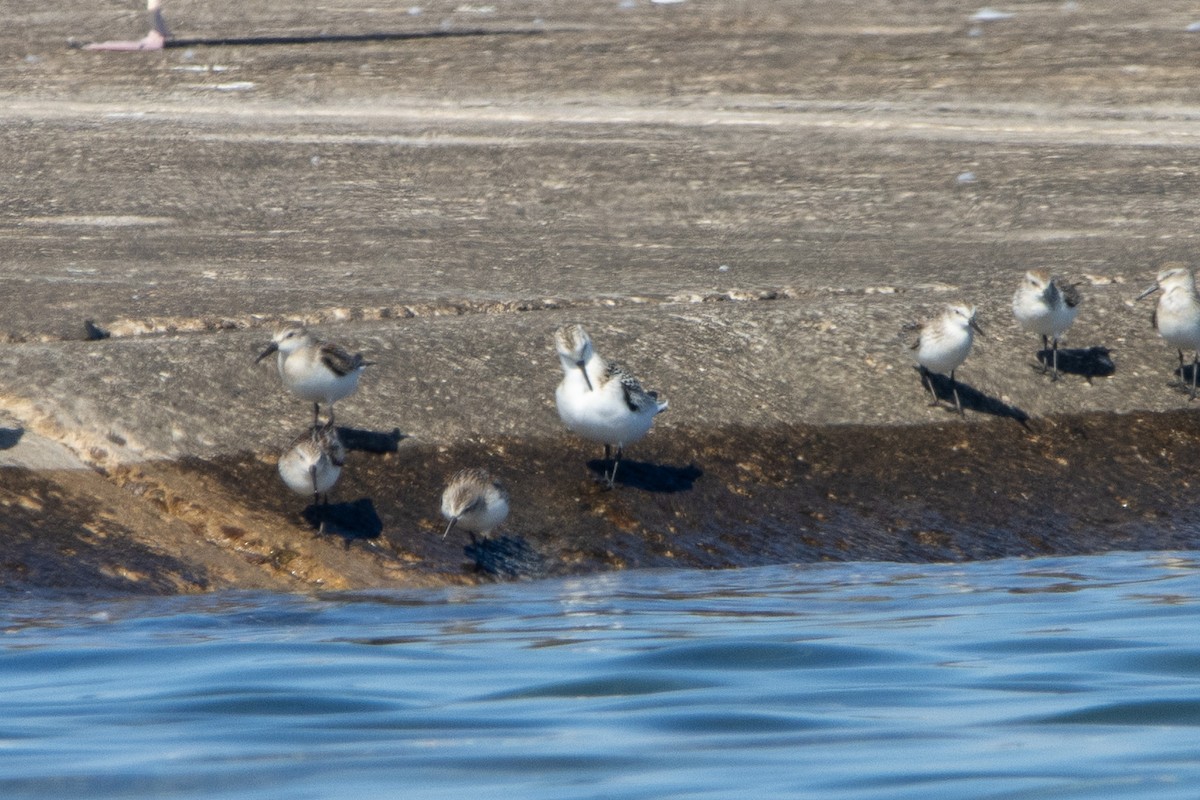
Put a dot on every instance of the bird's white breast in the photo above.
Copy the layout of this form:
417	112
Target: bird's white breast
946	353
310	379
295	467
489	516
1178	318
1037	316
602	414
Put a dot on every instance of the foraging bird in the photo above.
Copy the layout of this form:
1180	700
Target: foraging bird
156	39
475	502
313	369
313	462
943	344
1046	306
600	401
1177	315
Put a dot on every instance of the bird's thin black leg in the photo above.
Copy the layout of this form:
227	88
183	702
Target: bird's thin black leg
612	479
927	382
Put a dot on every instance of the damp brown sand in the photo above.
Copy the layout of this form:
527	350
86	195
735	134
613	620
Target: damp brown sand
730	498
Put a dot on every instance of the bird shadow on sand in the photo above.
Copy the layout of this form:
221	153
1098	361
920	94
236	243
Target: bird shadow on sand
371	441
1087	362
657	478
505	557
351	521
9	437
341	38
972	399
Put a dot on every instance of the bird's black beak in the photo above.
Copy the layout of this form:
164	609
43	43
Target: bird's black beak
1149	291
449	527
271	348
975	325
583	368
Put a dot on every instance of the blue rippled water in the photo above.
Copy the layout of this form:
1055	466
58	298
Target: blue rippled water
1064	678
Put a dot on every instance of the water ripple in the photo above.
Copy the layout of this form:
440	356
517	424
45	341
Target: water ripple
754	655
1179	711
258	701
602	686
1063	677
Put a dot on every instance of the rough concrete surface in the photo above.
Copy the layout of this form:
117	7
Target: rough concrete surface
745	202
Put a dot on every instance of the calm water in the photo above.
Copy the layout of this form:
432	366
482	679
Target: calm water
1062	678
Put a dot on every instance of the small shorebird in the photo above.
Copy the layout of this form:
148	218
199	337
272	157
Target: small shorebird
313	462
601	401
943	344
313	369
1046	306
474	502
156	39
1177	315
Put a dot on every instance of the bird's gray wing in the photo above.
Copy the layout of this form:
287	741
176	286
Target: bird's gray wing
910	334
1070	293
637	398
338	359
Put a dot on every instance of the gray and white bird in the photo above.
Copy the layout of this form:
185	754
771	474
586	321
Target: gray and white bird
1177	315
1047	306
314	369
156	39
475	502
943	344
601	401
313	462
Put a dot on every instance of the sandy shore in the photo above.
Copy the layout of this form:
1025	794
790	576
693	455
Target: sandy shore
745	203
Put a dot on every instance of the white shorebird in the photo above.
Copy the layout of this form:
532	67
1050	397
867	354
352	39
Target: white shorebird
313	462
1046	306
313	369
475	502
1177	315
156	39
943	344
600	401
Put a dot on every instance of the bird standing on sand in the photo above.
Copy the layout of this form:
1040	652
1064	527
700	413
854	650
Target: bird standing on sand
156	39
1046	306
313	369
943	344
313	462
1177	315
601	401
474	502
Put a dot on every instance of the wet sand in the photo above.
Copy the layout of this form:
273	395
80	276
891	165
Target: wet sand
745	203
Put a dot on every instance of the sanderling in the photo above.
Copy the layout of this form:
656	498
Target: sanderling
943	344
474	501
600	401
1177	315
313	462
316	370
1046	306
156	39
